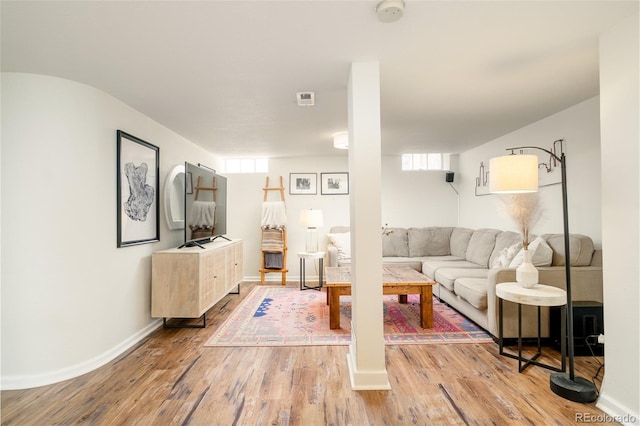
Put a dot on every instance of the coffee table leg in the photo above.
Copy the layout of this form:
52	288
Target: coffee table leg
402	298
334	308
426	306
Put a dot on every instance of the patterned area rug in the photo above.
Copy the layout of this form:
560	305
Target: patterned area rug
286	316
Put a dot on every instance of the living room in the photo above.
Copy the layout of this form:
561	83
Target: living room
79	274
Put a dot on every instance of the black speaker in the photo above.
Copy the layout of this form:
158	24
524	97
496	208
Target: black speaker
587	321
448	176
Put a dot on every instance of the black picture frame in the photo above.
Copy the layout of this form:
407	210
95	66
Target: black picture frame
334	183
303	183
138	185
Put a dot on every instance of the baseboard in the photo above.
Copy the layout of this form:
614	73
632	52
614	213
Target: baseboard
277	277
366	380
526	341
34	381
616	412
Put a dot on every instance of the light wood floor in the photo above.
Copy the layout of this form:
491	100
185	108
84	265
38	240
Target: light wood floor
171	379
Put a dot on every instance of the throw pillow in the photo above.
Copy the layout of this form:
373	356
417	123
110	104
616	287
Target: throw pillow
342	241
542	254
506	256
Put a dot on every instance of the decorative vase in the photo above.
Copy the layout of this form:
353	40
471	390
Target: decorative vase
526	273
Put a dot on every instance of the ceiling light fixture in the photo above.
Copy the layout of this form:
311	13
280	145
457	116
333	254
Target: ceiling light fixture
341	140
390	10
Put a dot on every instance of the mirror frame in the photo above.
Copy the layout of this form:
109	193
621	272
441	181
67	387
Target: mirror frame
169	186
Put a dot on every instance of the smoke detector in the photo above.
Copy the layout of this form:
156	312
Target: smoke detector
390	10
306	99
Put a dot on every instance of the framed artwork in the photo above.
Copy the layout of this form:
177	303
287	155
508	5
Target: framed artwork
334	183
303	183
138	182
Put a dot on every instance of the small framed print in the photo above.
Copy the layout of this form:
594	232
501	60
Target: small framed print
334	183
303	183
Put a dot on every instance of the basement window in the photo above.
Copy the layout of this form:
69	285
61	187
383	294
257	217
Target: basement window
246	165
425	161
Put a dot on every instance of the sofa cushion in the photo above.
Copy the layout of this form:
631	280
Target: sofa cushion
581	248
411	262
473	290
394	243
541	254
460	241
342	241
505	241
481	246
447	276
431	241
430	267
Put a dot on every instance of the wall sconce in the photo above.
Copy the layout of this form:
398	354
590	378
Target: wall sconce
311	219
341	140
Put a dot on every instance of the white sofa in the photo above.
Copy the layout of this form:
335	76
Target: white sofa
468	264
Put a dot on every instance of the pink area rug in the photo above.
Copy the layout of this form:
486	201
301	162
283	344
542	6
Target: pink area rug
286	316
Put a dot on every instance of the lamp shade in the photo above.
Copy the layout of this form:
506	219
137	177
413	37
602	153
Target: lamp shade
513	174
311	218
341	140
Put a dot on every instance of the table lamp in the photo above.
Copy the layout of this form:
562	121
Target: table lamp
311	219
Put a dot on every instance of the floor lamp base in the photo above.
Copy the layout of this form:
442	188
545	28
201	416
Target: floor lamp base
578	389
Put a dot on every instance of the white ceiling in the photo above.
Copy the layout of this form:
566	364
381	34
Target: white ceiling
224	74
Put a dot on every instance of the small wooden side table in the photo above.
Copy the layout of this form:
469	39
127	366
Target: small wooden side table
303	264
540	295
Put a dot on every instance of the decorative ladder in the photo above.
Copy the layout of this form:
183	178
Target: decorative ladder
214	189
263	269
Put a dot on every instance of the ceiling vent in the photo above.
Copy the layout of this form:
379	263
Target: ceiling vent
306	99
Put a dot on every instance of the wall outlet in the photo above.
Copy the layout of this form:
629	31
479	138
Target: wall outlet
601	338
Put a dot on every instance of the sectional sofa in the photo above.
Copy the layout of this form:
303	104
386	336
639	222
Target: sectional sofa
467	265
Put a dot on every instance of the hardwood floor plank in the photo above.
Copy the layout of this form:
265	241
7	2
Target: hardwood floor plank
172	379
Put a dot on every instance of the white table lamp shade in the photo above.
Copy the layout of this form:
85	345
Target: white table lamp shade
311	218
513	174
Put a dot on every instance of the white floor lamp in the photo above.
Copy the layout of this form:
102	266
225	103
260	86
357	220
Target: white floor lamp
518	174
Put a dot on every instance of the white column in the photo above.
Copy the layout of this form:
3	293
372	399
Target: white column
366	358
619	131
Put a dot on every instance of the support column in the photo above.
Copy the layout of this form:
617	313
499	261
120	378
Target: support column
366	358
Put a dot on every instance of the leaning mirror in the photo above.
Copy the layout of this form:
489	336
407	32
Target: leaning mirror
174	198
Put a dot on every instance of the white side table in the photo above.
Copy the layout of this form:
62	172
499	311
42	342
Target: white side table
303	263
540	295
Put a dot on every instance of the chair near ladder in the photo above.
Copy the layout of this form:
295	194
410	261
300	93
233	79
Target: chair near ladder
263	268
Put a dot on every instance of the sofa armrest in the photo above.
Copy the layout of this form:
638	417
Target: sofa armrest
586	284
586	281
496	276
332	256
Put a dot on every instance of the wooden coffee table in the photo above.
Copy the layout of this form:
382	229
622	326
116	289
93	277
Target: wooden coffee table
400	280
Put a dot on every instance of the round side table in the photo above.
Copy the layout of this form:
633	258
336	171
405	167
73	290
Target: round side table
303	263
539	295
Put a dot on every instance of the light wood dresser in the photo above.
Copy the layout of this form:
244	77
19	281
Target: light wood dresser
187	282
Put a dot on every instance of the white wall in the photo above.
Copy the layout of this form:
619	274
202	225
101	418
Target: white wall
620	109
433	202
579	126
71	300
